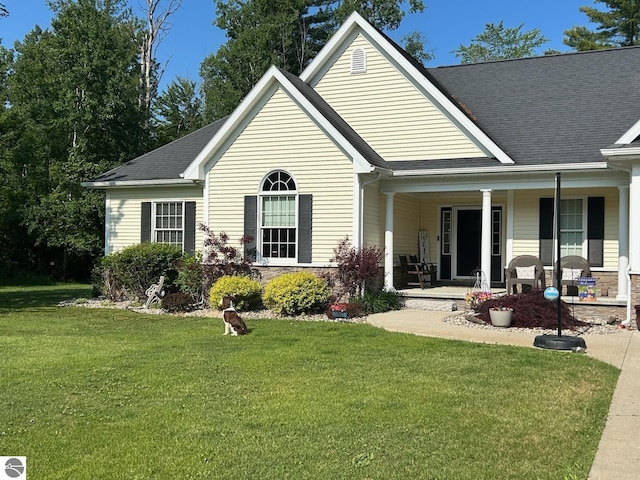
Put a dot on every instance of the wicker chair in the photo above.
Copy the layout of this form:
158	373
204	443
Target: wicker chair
579	268
533	279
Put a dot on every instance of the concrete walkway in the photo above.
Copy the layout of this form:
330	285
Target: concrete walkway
618	455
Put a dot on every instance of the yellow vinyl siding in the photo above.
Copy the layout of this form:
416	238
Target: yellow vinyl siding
406	224
125	212
398	121
282	137
527	217
374	216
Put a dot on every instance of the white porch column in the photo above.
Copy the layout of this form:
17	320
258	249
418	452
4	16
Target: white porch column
388	245
634	214
623	243
485	251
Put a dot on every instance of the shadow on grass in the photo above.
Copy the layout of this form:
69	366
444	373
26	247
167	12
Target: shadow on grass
23	297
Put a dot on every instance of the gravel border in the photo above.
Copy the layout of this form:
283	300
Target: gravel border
597	325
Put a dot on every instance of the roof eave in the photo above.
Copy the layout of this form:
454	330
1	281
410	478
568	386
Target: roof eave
503	169
621	152
140	183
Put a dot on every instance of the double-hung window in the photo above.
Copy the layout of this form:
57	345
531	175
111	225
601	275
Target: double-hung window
572	222
168	222
278	216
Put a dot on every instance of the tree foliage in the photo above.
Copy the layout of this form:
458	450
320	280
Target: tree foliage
178	110
499	43
618	26
285	33
413	44
72	114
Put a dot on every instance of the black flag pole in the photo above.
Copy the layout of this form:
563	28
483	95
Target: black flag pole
556	213
559	341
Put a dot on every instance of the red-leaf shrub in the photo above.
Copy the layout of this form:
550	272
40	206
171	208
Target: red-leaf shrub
531	310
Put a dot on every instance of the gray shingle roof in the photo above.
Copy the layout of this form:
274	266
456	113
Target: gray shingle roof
550	109
540	110
166	162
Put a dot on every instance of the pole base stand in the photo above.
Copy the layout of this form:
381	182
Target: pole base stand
560	342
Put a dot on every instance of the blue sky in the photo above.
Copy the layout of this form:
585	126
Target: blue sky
445	23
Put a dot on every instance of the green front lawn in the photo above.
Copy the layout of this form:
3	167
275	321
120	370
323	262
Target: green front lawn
102	393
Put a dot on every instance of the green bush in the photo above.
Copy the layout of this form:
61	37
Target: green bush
379	302
128	273
191	275
245	290
295	293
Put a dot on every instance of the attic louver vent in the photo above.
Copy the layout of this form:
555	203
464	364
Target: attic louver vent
358	61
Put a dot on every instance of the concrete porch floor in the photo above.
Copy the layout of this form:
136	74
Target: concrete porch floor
453	292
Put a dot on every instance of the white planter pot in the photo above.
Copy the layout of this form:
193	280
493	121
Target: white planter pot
501	318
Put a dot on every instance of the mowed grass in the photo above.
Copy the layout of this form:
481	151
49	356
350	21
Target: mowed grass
104	393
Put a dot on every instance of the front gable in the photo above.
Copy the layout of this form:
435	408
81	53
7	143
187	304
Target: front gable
389	112
280	135
391	103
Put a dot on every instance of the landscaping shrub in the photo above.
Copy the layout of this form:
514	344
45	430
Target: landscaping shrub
295	293
531	310
177	302
245	290
378	302
191	276
130	272
357	267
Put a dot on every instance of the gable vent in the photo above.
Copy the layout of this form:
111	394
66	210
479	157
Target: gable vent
358	61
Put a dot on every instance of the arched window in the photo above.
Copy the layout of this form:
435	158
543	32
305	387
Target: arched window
278	216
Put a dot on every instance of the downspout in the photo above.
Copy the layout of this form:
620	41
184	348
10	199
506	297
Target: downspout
627	322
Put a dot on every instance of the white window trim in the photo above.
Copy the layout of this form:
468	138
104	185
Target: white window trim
277	261
585	226
154	228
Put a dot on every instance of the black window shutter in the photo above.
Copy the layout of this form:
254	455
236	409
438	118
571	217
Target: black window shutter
189	227
595	231
145	231
305	214
546	231
250	226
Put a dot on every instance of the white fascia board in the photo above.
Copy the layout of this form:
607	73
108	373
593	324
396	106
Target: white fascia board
195	170
630	135
621	153
503	169
522	181
269	80
139	183
355	20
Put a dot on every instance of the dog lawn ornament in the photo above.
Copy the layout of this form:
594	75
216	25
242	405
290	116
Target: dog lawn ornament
232	322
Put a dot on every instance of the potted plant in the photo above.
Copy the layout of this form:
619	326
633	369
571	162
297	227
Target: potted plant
501	316
474	299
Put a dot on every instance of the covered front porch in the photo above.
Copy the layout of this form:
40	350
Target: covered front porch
474	225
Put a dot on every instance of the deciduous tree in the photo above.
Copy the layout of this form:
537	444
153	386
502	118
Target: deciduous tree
285	33
499	43
73	100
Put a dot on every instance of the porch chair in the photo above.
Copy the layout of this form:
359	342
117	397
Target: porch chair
414	272
525	270
573	267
